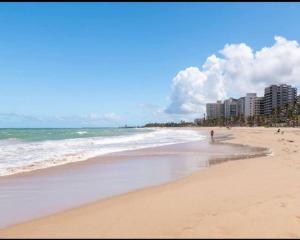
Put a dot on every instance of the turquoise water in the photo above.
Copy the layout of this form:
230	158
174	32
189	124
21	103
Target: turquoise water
43	134
29	149
25	197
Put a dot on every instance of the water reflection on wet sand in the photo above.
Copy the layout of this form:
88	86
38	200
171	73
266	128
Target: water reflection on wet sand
38	193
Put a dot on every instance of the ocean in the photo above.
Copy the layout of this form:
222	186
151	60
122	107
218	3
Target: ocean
166	155
36	148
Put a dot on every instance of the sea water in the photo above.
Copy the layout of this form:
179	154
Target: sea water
167	155
23	150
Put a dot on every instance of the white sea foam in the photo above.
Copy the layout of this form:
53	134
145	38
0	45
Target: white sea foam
81	132
18	157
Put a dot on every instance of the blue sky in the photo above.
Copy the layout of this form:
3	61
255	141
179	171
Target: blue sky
109	64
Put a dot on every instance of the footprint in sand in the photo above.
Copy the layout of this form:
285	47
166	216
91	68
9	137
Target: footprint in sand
187	228
286	150
282	204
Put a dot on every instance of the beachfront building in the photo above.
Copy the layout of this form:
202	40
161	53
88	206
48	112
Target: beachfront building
298	104
259	106
214	110
249	104
280	104
278	96
231	108
241	106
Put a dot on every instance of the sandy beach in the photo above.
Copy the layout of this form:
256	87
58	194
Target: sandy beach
257	197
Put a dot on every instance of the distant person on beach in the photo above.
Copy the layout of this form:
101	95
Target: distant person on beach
278	131
212	135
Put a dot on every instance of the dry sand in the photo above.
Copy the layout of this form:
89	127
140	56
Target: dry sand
257	197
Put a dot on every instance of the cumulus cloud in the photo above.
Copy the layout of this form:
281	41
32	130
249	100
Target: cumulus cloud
236	70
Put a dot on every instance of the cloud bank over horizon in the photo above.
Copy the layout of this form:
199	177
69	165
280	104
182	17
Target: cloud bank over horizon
239	69
8	120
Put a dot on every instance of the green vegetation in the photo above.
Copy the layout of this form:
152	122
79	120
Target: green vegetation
286	116
171	124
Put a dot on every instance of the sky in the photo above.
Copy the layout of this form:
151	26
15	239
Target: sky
111	64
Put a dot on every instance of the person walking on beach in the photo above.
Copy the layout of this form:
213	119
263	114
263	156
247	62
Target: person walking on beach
212	135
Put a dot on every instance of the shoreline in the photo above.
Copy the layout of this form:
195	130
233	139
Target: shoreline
183	157
29	170
40	171
49	226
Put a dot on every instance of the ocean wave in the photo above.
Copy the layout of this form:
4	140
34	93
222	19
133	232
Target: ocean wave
81	132
9	141
28	156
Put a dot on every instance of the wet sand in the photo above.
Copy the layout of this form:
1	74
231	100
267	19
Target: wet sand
55	189
257	197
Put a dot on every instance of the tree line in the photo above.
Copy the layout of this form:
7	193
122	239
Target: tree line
285	116
171	124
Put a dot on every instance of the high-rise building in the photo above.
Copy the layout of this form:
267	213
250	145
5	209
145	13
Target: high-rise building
271	95
249	104
298	104
214	110
231	108
259	106
241	106
278	96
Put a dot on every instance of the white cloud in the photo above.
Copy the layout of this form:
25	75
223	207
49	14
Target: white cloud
187	91
98	118
92	119
14	117
238	70
111	117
